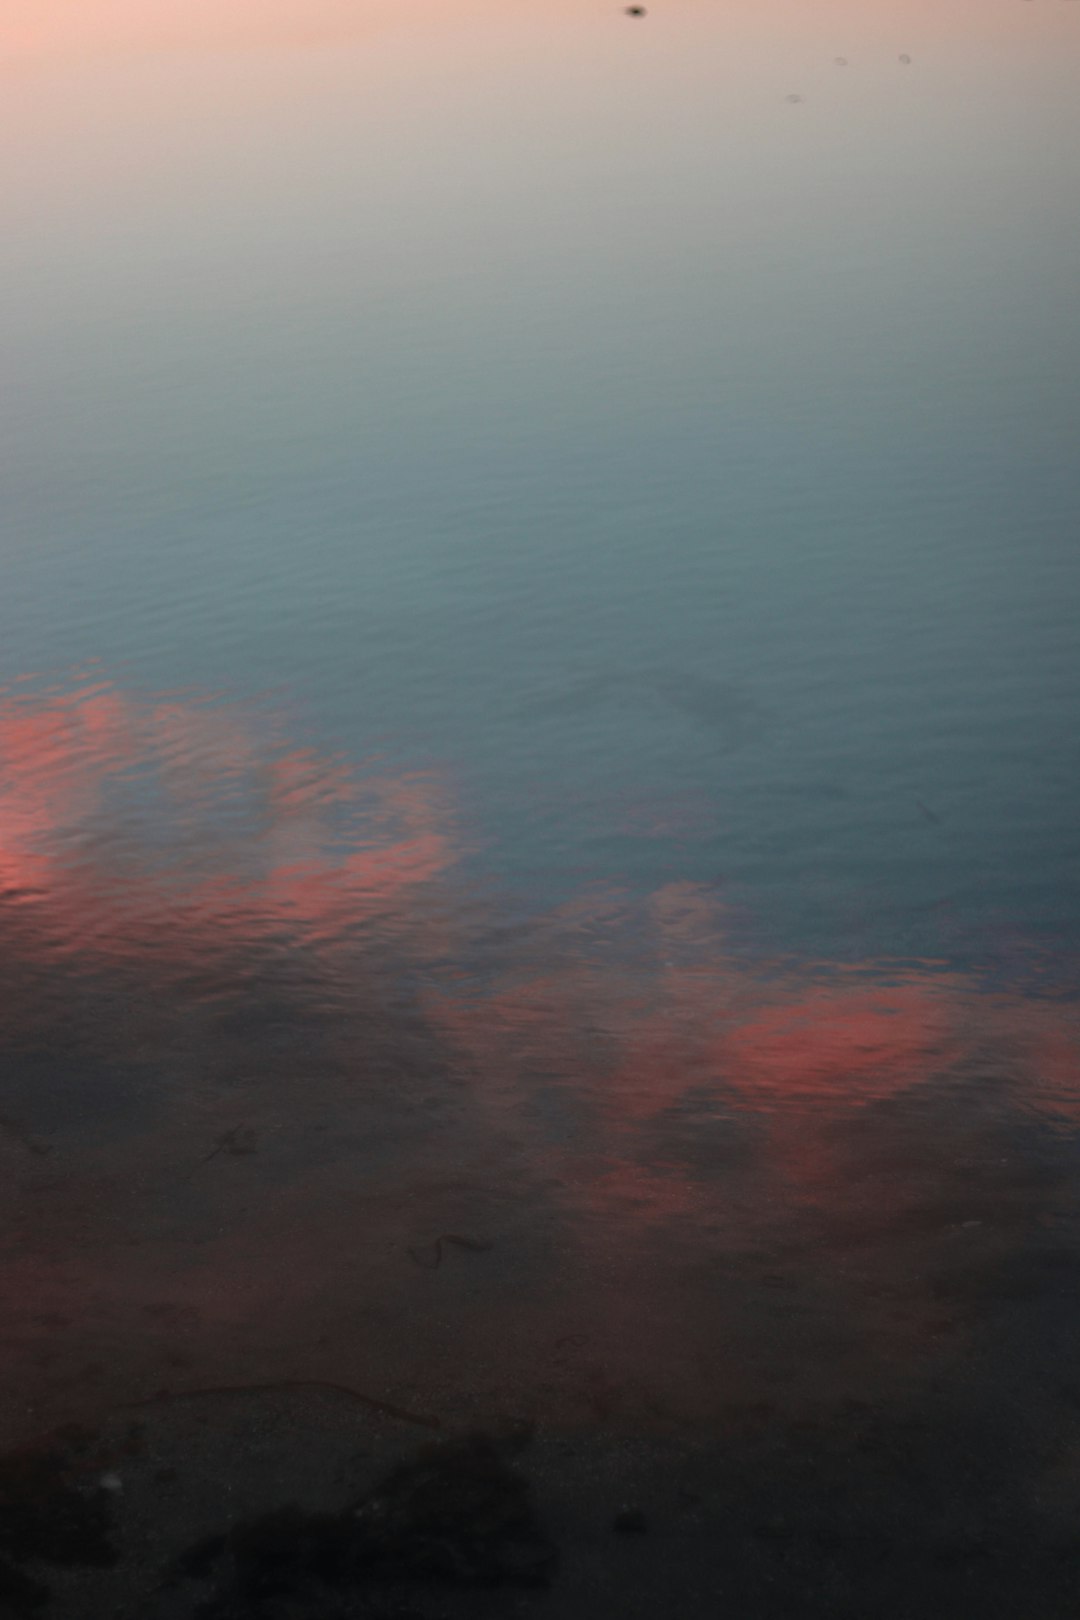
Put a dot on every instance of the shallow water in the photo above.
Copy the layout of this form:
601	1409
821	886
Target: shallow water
539	688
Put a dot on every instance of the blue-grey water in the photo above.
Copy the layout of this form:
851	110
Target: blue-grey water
540	676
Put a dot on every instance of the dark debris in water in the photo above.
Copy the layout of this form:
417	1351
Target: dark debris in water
430	1255
949	1506
458	1515
17	1133
48	1518
280	1386
238	1143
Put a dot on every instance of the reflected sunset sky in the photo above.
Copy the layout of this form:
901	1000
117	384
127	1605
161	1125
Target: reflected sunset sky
210	929
570	522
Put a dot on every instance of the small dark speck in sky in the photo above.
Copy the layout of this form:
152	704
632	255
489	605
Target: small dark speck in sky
906	60
841	61
794	98
635	11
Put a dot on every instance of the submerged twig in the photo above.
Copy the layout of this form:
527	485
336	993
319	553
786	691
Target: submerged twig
280	1386
430	1256
13	1129
238	1142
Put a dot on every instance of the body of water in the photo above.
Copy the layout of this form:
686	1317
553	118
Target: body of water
538	699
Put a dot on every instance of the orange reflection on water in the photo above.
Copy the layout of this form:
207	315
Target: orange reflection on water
317	845
184	829
634	1114
697	1033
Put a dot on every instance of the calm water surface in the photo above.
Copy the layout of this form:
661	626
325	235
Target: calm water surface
539	692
